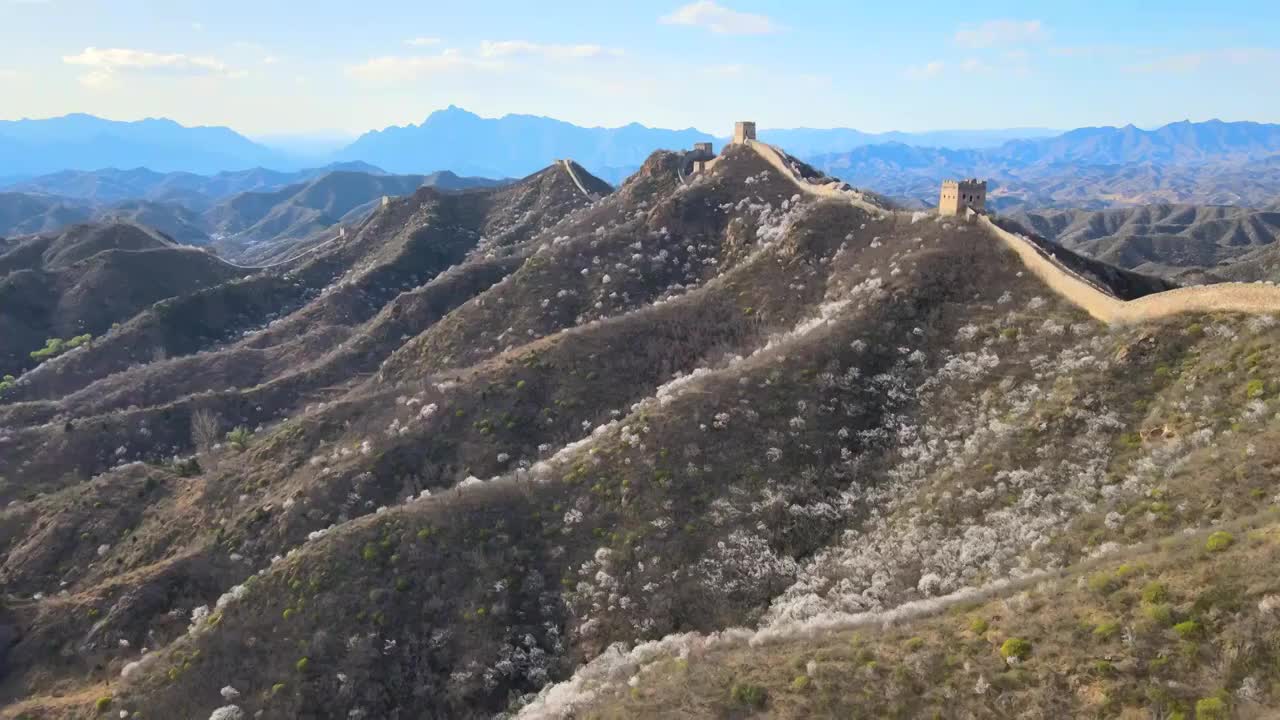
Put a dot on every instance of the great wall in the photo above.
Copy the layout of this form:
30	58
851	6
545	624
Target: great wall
1251	298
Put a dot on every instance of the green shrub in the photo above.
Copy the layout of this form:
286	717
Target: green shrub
1255	389
1211	709
801	683
1159	613
1188	629
1219	541
1154	592
275	689
1104	583
1015	648
749	695
302	664
979	626
103	703
239	438
1106	631
914	644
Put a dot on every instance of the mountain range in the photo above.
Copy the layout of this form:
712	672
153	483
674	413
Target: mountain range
449	139
36	147
233	210
1204	163
737	443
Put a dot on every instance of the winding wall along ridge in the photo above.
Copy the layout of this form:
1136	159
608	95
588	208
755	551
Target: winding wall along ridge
568	167
1252	298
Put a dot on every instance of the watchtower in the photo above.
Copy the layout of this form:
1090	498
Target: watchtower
956	196
743	132
702	150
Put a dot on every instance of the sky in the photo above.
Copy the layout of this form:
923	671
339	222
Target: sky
326	68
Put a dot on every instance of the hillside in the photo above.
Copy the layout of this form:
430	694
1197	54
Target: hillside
1175	241
297	211
85	279
460	462
24	214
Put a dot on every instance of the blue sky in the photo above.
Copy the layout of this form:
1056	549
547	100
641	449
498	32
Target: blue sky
324	66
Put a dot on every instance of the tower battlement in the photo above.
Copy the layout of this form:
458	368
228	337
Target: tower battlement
959	195
743	132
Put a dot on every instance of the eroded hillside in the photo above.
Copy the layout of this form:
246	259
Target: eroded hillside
439	469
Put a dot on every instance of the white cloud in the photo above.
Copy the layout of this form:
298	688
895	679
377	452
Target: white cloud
1190	62
104	64
1000	32
491	56
512	48
270	60
392	68
422	41
725	71
927	70
720	19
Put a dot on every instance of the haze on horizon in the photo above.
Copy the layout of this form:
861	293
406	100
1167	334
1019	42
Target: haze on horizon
266	69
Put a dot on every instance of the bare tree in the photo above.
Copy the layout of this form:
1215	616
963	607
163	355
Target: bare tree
205	430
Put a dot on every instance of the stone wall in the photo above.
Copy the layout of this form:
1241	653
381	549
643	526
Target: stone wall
1253	298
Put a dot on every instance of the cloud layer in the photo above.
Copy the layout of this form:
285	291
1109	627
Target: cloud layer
105	63
720	19
994	33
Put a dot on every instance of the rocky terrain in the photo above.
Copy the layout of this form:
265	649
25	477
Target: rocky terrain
712	445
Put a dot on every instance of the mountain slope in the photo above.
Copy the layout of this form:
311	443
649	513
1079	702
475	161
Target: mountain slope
24	214
493	433
300	210
84	279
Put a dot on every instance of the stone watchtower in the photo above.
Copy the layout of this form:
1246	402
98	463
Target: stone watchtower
703	151
743	132
957	196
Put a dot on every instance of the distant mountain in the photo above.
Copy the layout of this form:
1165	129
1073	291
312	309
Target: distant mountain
197	192
239	209
1186	243
1180	142
180	223
510	146
1199	163
85	142
809	142
302	209
22	213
